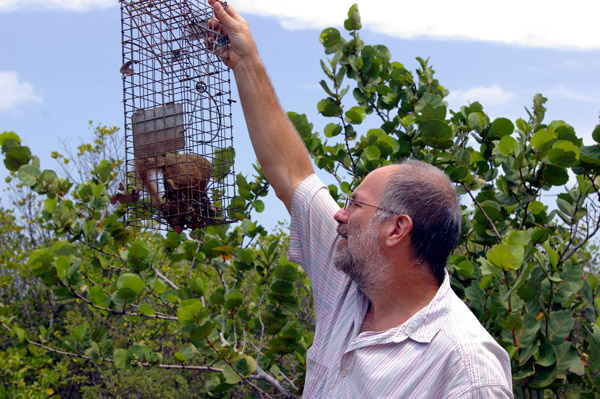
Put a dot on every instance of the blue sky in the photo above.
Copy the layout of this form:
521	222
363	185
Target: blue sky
60	59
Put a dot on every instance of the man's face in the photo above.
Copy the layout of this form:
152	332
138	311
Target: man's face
358	251
359	255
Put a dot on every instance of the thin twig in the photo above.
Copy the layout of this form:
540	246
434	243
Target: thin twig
155	316
110	360
263	375
165	279
244	378
583	241
482	211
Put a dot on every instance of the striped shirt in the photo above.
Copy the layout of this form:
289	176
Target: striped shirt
440	352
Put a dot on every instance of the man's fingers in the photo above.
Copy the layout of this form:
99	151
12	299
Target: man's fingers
223	15
216	26
232	12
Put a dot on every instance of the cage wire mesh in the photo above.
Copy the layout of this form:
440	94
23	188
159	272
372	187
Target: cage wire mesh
177	109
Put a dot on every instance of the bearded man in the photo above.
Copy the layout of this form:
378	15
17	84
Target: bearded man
388	325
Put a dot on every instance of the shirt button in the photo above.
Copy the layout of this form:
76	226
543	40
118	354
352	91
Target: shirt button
344	373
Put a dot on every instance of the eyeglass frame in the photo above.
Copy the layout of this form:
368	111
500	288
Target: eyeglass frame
349	200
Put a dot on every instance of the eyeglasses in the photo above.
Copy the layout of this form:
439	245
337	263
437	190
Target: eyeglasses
351	201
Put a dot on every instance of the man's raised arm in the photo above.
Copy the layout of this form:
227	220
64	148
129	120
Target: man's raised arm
278	147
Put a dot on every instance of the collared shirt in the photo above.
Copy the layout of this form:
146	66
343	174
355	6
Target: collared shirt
442	351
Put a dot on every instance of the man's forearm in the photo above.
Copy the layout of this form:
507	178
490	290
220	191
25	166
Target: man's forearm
278	147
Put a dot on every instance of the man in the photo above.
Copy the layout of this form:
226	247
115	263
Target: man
387	322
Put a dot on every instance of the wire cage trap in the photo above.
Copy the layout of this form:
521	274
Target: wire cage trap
178	122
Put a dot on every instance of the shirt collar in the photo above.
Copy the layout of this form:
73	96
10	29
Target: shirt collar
425	324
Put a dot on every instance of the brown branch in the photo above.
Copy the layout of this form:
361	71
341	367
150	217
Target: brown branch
155	316
165	279
244	378
583	241
482	211
262	375
109	360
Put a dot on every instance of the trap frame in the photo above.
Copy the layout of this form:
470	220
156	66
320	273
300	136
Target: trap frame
177	111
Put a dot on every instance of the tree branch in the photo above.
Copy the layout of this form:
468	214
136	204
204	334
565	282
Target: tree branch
165	279
109	360
263	375
583	241
482	211
155	316
244	378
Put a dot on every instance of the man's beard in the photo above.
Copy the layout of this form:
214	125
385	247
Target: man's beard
360	257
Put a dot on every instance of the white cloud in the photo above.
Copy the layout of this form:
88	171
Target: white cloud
66	5
16	92
487	96
564	92
531	23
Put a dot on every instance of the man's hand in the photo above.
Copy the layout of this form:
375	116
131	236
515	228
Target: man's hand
229	22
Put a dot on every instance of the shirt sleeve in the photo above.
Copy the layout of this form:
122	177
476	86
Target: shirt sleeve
312	239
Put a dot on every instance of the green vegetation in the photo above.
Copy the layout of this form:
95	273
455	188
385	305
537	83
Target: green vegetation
94	308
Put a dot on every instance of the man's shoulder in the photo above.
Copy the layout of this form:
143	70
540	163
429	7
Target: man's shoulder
474	350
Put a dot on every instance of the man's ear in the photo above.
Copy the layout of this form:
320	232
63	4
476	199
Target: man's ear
398	230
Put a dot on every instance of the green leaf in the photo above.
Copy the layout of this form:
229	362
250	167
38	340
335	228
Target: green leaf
199	334
328	107
502	127
356	115
465	268
372	153
353	21
139	255
546	356
233	299
231	377
560	325
536	207
527	335
555	175
552	255
29	174
542	137
564	153
285	273
518	237
259	205
478	121
567	358
146	309
565	206
331	40
245	364
121	358
282	287
4	136
81	332
132	282
501	257
189	310
62	264
16	157
332	130
508	146
435	129
222	162
595	134
590	155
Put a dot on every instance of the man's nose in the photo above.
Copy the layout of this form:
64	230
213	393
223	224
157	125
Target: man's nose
341	216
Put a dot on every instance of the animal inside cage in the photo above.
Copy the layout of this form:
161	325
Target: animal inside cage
178	123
